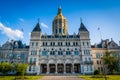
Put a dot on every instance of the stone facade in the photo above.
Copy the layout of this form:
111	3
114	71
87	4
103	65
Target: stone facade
14	52
60	52
99	50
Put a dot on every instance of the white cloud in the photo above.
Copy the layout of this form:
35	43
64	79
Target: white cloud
43	25
13	34
21	19
29	33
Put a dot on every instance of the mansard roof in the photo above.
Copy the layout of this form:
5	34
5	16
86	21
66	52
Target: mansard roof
82	27
37	28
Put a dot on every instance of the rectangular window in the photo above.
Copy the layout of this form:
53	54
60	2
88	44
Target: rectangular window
60	53
36	43
97	55
32	43
61	43
83	43
84	52
44	53
76	43
85	59
59	30
46	43
68	53
22	56
52	52
73	43
87	44
35	52
76	53
56	31
30	60
66	43
15	56
34	60
51	43
29	68
33	68
97	62
89	59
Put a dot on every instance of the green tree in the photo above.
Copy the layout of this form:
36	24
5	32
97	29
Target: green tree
5	67
21	69
111	60
96	72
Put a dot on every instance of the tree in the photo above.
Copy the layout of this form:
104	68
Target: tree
96	72
111	60
5	67
21	69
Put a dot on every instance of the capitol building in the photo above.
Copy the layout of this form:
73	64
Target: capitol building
60	53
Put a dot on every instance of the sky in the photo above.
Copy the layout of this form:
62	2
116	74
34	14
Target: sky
19	17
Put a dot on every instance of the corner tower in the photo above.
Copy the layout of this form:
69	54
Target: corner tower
59	24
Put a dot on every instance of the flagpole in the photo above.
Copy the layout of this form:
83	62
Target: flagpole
100	33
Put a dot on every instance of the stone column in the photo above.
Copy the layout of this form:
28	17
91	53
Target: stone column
56	72
40	68
73	69
80	68
64	68
47	68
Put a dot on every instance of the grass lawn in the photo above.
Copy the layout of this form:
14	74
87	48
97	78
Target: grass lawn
109	77
20	77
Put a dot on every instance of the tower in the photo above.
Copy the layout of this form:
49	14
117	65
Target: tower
59	24
36	32
83	32
34	48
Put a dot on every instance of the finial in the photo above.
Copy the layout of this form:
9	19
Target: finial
59	4
80	19
38	20
60	7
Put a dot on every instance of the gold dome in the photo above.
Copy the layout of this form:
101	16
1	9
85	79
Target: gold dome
59	14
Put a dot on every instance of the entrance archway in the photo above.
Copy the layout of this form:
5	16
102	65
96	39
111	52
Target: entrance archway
43	68
77	68
68	68
60	68
52	68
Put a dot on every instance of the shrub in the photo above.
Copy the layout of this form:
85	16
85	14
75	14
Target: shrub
96	72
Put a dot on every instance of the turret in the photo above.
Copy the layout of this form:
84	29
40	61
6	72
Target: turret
36	32
83	32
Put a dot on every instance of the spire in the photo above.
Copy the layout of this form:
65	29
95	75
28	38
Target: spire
37	27
82	26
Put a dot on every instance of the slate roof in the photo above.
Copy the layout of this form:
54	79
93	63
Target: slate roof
37	27
82	27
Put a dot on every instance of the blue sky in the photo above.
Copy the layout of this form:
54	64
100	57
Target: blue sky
16	15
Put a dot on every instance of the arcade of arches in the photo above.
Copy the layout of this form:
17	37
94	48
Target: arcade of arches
60	68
